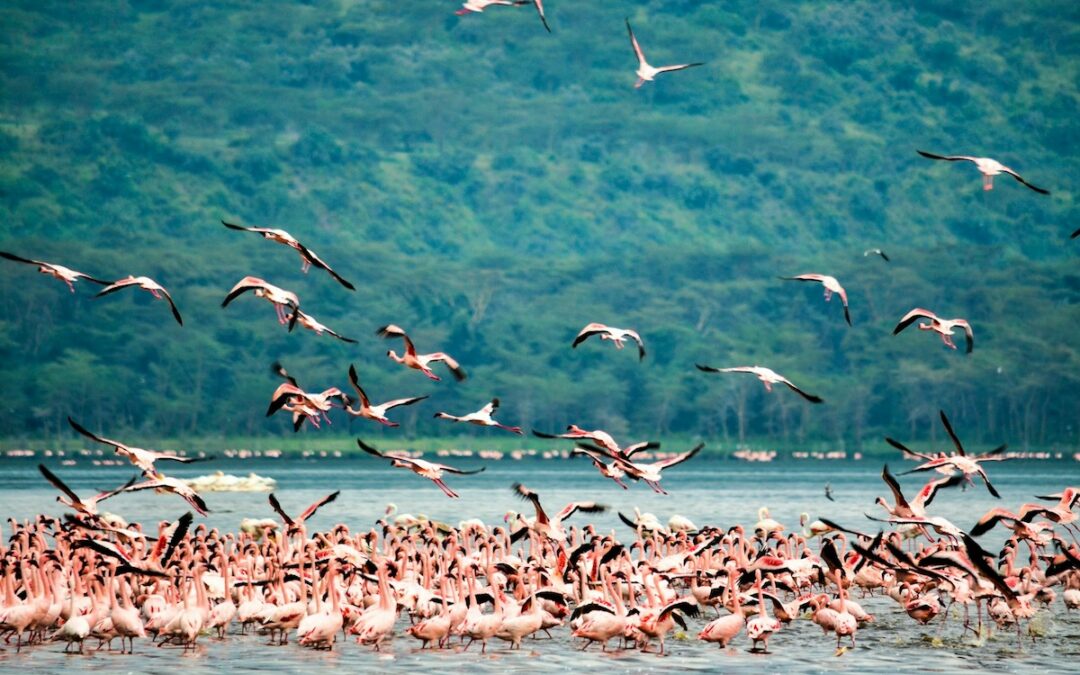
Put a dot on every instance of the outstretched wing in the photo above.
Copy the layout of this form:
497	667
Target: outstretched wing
634	43
12	256
310	511
274	504
952	434
318	262
679	459
800	392
1024	182
354	380
891	481
910	318
947	158
57	483
100	439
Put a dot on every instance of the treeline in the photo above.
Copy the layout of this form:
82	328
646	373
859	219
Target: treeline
492	188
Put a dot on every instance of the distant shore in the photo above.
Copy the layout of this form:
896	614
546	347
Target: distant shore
511	448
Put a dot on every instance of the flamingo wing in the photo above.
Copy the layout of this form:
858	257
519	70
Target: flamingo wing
455	368
633	335
58	484
180	530
100	439
585	507
679	459
243	286
894	486
952	434
528	495
12	256
310	511
172	306
634	43
116	286
681	66
969	335
274	504
318	262
354	380
912	316
1024	182
800	392
461	472
586	333
947	158
930	490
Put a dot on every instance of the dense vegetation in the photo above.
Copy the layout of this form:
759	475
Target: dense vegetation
492	188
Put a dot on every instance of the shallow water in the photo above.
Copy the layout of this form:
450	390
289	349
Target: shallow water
705	490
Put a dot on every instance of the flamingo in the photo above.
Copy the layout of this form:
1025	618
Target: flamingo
306	254
645	72
876	251
143	459
375	412
160	483
651	473
617	336
294	525
943	327
147	284
767	376
65	274
968	465
305	405
482	417
419	361
279	297
552	527
86	507
759	628
470	6
987	167
312	324
726	628
433	471
606	470
831	286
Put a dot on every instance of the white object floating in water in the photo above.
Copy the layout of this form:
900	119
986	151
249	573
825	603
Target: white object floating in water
222	482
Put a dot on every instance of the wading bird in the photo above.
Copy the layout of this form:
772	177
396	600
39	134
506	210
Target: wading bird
645	72
987	167
943	327
65	274
278	297
616	335
419	361
306	254
768	378
143	459
375	412
433	471
147	284
309	322
551	527
482	417
831	286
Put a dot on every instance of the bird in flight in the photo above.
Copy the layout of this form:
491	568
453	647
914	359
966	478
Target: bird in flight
876	251
828	492
419	361
987	167
147	284
943	327
65	274
767	376
306	254
831	286
645	72
617	335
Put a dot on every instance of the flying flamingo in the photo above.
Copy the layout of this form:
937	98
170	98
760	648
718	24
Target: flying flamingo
482	417
768	378
169	484
312	324
876	251
831	286
375	412
470	6
987	167
433	471
293	525
616	335
552	527
419	361
968	465
645	72
65	274
147	284
87	507
306	254
943	327
279	297
650	473
612	470
143	459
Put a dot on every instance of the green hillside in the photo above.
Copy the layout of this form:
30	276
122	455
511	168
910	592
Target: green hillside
492	188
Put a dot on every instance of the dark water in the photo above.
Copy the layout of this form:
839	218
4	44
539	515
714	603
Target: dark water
705	490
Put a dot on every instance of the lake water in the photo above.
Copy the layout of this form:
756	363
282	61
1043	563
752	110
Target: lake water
713	491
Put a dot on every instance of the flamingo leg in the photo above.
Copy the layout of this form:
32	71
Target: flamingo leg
988	183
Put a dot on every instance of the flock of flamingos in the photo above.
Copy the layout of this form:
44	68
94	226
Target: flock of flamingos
91	576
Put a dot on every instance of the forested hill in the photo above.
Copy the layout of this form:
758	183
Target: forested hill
492	188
